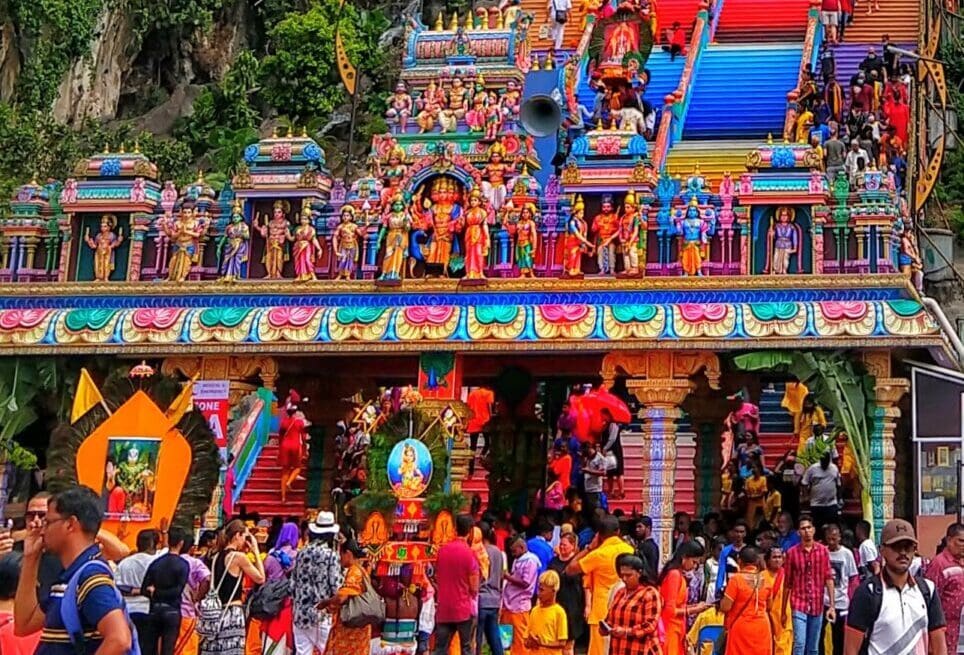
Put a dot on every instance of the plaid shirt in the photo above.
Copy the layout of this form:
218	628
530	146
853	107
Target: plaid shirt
807	575
638	611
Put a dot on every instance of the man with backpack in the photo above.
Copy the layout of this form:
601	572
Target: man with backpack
895	613
84	612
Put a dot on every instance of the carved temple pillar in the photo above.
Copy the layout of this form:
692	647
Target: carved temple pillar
140	223
66	248
660	381
883	463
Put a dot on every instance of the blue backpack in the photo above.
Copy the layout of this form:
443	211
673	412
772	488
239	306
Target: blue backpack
70	612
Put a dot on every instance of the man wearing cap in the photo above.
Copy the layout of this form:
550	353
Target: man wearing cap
316	578
896	614
946	571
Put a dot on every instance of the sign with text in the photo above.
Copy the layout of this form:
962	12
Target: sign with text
211	399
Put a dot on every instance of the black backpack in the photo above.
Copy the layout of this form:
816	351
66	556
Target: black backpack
267	600
874	586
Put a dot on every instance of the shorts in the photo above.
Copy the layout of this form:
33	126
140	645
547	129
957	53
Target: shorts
829	18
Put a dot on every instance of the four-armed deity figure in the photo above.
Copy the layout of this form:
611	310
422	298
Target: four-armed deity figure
576	242
477	240
306	249
185	234
783	241
394	233
276	234
233	246
495	177
400	106
605	227
693	229
526	240
104	245
345	242
442	213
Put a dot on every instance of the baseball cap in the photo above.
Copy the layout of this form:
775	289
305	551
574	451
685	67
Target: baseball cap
896	531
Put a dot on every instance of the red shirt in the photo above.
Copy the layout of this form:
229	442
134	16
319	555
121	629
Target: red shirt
807	574
679	38
480	402
455	565
947	574
830	5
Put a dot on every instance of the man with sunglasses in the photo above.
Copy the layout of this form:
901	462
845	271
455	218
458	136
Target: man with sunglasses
68	530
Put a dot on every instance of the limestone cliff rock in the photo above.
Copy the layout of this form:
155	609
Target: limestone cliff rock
92	86
9	61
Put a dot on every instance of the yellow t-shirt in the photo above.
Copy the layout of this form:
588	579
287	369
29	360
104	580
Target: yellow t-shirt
549	626
599	568
773	506
804	426
755	488
712	616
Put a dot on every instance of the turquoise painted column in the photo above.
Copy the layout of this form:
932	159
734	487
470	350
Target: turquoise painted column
883	465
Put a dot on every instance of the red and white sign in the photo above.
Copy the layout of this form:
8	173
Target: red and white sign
211	399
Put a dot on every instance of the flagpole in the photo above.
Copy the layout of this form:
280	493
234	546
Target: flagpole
106	408
351	137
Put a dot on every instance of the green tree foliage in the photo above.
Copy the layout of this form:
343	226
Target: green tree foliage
300	75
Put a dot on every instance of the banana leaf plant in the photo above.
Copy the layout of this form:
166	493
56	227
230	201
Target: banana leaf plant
839	385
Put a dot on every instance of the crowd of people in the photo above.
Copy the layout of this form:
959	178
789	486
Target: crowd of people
545	583
862	126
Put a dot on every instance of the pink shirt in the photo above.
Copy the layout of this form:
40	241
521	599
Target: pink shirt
12	645
517	598
455	565
947	574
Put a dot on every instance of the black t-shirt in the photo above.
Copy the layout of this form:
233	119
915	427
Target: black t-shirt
168	575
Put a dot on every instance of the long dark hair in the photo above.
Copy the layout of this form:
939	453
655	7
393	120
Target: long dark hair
686	549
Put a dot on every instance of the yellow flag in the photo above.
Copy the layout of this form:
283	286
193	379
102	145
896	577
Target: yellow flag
87	396
183	404
349	76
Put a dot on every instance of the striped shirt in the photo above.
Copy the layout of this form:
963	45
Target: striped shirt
96	598
807	572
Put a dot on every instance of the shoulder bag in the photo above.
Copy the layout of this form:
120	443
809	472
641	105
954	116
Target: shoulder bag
368	608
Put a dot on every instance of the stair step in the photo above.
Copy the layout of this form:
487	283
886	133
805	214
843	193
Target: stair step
898	18
755	21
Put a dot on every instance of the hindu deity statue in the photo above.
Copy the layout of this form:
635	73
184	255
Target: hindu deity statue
306	249
104	245
693	229
783	241
526	240
605	229
493	117
475	116
392	174
394	233
233	246
630	228
400	106
345	242
458	98
576	242
512	99
477	240
623	40
428	108
185	234
442	212
908	256
495	177
276	234
461	44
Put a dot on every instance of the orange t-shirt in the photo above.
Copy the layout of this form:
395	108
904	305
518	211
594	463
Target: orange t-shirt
13	645
562	466
480	402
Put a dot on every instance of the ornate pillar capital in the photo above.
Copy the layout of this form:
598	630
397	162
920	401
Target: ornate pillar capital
891	390
664	393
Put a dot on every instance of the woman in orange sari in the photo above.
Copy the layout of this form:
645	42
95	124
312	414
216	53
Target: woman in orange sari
781	619
672	589
746	604
344	640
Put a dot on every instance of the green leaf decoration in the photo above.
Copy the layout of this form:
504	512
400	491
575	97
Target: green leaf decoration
634	313
905	308
363	315
774	311
502	314
229	317
88	319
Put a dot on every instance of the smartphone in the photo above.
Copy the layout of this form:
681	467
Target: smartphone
605	626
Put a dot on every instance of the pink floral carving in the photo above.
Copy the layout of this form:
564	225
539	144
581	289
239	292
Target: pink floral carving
425	314
608	145
282	317
22	319
836	311
694	313
564	313
156	319
281	152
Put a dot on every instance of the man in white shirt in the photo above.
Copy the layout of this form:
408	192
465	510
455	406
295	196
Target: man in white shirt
844	576
855	154
130	576
558	17
822	482
593	471
868	559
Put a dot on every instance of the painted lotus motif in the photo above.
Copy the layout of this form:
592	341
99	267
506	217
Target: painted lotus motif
297	317
25	319
839	311
425	315
156	319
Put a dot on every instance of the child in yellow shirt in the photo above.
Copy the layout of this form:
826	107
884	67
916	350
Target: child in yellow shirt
708	617
548	631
